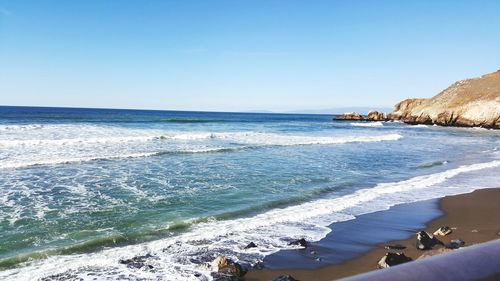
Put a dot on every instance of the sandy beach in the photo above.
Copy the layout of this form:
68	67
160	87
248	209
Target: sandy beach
474	218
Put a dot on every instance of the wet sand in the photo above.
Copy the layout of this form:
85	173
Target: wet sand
474	217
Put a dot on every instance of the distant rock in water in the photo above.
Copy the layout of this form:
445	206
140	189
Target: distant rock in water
467	103
350	116
371	116
376	116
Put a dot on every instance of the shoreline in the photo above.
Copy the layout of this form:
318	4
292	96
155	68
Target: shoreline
470	215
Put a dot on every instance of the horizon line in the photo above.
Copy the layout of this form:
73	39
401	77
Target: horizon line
264	111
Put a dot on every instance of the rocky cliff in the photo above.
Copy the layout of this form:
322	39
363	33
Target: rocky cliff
467	103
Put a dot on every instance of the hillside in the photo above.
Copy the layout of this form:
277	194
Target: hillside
469	103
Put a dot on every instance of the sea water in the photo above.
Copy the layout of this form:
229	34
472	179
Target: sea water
83	189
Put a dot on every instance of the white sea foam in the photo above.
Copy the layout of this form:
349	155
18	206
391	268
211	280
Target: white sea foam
20	127
204	241
76	141
243	137
285	140
55	161
19	153
367	124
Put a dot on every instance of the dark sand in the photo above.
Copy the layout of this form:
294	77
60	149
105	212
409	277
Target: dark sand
474	217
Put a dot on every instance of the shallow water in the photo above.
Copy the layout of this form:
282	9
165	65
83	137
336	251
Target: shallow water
349	239
81	189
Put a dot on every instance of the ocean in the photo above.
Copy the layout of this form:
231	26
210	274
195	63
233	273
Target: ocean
83	189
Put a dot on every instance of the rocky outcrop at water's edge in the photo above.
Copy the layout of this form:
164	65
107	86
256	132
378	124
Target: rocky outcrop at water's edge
466	103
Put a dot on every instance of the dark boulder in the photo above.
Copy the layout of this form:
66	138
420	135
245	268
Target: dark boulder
300	242
426	241
138	262
455	244
392	259
250	245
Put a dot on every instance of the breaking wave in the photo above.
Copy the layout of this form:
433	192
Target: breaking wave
242	137
368	124
432	164
35	152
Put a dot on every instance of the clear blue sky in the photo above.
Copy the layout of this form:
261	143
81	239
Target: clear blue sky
240	55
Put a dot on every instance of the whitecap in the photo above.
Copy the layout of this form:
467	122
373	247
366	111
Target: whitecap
367	124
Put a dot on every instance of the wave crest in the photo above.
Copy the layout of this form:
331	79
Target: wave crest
367	124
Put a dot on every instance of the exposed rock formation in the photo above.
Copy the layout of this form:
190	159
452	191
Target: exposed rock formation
426	241
349	116
371	116
468	103
225	269
375	116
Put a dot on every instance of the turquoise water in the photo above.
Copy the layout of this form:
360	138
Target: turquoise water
81	189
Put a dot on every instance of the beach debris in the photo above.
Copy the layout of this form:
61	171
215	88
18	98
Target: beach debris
226	269
392	259
312	252
250	245
474	231
285	278
443	231
139	262
300	242
395	247
434	252
455	244
426	241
